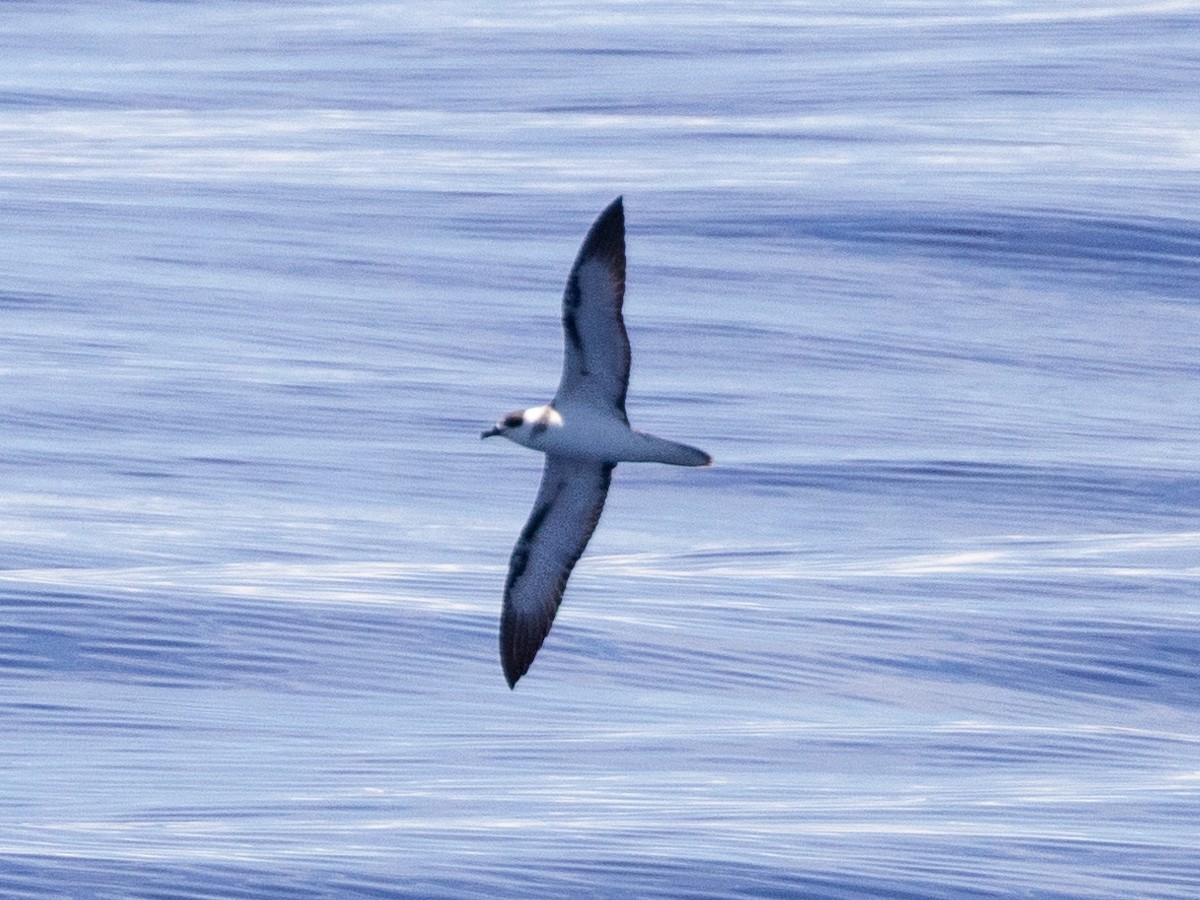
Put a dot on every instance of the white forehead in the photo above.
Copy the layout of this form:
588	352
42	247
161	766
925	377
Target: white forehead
545	413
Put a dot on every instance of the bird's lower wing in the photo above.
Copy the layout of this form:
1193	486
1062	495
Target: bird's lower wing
568	506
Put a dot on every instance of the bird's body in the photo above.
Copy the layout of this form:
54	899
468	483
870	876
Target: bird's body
584	433
581	432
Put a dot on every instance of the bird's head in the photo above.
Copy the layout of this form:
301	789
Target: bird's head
526	427
506	427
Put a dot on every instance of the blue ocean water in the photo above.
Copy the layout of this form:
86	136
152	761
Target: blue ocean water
923	278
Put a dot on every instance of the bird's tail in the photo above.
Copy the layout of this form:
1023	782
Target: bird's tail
672	453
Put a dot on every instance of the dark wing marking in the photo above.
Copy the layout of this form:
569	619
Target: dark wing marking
596	347
568	506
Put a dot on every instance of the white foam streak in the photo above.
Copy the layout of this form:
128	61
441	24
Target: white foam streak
1151	555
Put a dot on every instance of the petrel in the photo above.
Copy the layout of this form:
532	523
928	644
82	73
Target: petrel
584	433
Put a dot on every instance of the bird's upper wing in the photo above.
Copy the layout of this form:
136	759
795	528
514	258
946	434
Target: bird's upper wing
568	506
596	356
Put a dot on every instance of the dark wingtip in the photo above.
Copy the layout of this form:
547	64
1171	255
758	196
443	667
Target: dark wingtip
512	670
519	644
606	237
515	658
617	208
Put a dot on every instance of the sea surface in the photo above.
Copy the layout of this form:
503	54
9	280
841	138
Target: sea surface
924	277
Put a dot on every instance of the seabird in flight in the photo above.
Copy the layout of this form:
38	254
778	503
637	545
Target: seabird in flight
584	433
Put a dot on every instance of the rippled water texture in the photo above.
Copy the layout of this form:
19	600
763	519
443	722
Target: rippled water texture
922	278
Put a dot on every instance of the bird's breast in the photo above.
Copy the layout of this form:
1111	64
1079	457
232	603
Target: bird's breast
587	436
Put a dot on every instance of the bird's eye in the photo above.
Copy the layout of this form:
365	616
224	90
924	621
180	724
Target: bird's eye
513	421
